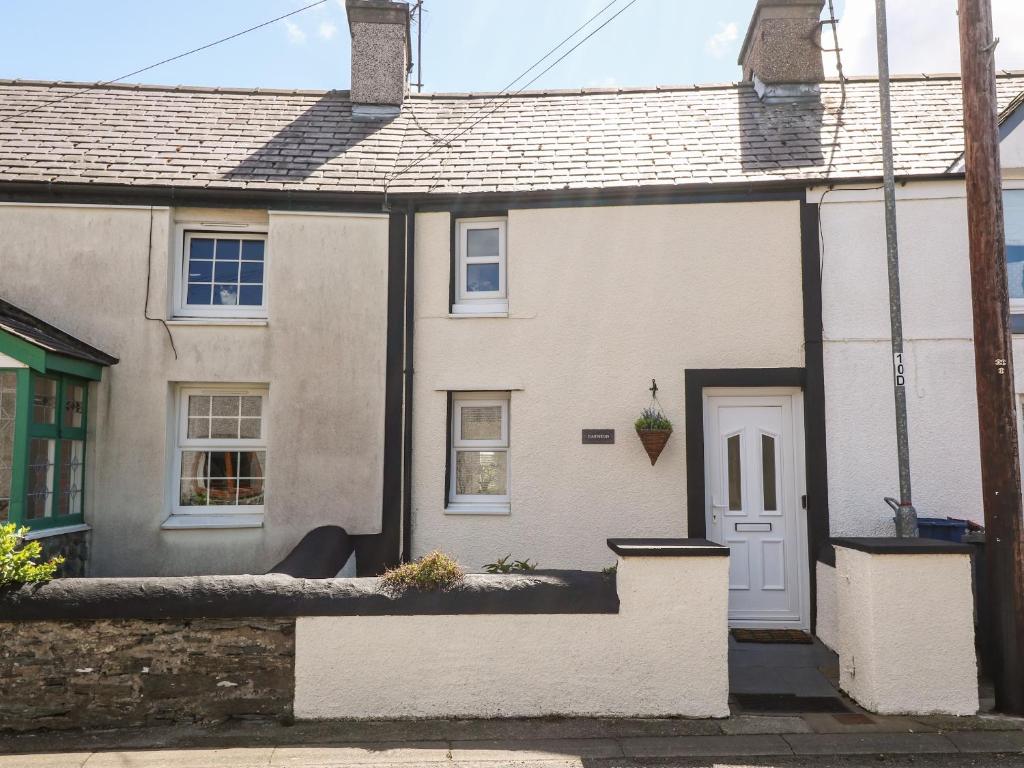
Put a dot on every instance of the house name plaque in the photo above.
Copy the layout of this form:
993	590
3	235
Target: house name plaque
598	436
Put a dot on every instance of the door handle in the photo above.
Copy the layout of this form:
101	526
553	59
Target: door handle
715	506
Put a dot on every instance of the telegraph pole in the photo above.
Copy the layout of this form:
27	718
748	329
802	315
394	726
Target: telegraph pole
906	515
993	354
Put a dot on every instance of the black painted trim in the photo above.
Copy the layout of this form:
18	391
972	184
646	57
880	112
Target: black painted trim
190	597
130	194
667	548
815	448
827	554
895	546
366	202
376	553
410	328
447	447
697	379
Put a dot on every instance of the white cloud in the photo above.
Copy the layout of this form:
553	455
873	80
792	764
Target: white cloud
295	34
721	43
923	36
327	29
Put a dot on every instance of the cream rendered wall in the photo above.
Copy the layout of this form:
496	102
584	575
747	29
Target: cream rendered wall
601	300
322	353
664	654
937	326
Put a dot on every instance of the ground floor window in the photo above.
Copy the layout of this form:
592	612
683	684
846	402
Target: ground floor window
42	448
220	461
478	472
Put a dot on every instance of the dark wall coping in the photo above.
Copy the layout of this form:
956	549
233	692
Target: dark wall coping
827	554
184	597
892	545
667	548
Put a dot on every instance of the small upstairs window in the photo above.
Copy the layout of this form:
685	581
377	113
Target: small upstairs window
221	274
480	270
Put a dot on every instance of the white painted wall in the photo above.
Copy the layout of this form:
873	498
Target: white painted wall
906	632
663	654
941	400
322	353
827	624
601	300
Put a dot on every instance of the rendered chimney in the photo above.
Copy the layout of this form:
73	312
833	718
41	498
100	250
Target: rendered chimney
781	52
380	57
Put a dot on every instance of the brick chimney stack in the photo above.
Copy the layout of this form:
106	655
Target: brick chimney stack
781	53
381	57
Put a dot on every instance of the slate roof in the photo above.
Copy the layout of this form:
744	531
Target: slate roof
188	137
45	336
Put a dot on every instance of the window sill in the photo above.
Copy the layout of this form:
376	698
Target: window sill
478	508
482	309
60	530
186	522
242	321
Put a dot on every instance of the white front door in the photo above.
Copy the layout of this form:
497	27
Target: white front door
753	455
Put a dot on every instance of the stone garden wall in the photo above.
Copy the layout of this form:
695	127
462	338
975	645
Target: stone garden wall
130	672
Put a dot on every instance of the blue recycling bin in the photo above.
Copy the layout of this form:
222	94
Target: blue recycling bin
942	528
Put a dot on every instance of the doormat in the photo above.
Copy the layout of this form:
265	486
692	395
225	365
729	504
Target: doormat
788	703
771	636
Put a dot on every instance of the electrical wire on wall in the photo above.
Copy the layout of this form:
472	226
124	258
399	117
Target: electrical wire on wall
149	275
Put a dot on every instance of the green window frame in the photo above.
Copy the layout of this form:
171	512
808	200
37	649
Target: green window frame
47	477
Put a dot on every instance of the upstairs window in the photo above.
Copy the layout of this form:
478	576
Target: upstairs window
221	274
1013	206
480	267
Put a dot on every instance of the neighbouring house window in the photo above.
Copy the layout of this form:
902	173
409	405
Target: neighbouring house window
479	461
42	462
221	458
480	267
1013	205
8	413
221	274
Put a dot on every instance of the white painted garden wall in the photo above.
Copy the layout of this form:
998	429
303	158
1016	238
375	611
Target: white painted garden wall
905	632
663	654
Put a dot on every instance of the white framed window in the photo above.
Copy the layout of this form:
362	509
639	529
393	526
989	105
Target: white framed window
481	279
220	459
479	462
1013	210
220	272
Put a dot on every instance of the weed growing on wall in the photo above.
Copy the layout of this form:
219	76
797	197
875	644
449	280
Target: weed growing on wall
434	571
18	563
507	565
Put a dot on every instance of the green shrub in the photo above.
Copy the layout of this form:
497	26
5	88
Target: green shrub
434	571
652	418
502	565
18	566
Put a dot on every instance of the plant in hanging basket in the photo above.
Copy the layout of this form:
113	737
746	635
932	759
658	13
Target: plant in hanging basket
654	431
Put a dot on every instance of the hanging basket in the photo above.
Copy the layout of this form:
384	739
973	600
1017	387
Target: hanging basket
654	441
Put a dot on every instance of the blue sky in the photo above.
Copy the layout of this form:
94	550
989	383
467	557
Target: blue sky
468	44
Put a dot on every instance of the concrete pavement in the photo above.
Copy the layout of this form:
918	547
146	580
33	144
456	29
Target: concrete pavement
744	740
